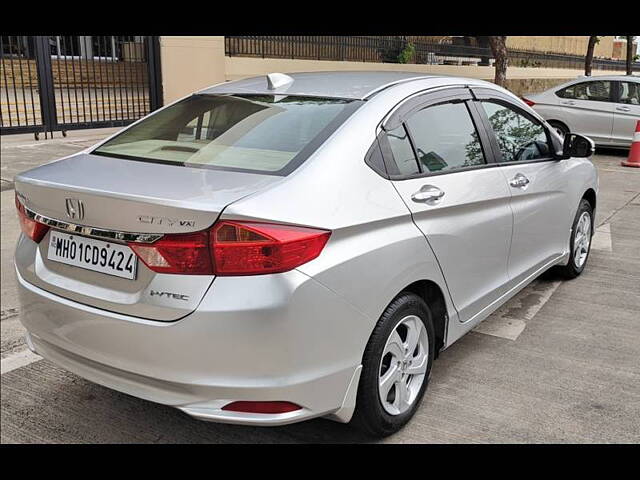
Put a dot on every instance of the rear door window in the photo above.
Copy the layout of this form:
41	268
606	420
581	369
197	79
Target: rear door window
402	151
445	138
598	91
257	133
629	93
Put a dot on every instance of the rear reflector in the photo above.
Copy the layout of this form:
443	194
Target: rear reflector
234	248
32	229
262	407
528	102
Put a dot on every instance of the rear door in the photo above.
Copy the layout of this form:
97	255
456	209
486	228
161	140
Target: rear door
626	113
441	169
588	109
538	184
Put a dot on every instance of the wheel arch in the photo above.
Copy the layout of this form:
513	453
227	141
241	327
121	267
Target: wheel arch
434	297
590	196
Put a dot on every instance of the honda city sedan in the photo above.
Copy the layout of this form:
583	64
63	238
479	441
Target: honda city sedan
285	247
604	108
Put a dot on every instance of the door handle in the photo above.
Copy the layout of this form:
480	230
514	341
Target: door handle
428	193
568	102
623	109
519	181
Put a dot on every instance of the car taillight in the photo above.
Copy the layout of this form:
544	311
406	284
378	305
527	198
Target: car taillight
32	229
261	407
243	248
528	102
177	253
232	248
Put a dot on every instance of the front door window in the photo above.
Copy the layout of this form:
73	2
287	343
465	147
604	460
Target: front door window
519	138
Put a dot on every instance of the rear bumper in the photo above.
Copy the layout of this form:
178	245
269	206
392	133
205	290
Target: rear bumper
278	337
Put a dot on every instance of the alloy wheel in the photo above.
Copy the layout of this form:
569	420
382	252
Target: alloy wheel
582	240
403	365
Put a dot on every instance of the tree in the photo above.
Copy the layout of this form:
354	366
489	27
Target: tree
408	53
499	49
588	60
629	53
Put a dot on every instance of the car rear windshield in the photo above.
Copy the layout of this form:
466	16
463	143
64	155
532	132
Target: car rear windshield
257	133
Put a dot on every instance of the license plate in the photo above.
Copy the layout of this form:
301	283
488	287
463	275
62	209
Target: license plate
91	254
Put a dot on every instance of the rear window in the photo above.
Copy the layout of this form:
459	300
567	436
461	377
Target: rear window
257	133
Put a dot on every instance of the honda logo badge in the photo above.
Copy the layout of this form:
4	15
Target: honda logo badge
75	208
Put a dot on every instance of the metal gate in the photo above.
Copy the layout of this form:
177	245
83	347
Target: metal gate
51	83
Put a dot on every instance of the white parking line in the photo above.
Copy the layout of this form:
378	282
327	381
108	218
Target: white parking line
510	320
601	239
17	360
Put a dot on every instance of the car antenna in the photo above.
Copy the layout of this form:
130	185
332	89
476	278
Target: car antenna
277	80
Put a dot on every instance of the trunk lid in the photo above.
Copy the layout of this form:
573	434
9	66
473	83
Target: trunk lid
126	196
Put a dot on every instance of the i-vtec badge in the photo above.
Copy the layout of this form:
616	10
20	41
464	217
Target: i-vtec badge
175	296
172	222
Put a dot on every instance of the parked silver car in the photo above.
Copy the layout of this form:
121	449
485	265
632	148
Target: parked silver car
286	247
604	108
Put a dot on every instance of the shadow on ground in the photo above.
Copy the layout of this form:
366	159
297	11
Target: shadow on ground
80	411
614	152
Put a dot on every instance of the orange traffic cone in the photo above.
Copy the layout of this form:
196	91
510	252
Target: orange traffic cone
634	153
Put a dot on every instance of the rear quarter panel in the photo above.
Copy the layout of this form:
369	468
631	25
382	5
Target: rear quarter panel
583	176
375	249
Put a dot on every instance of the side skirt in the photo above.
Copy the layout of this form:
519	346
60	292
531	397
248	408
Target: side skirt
457	331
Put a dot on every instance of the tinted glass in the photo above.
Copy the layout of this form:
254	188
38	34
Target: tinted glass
598	91
257	133
445	138
402	151
519	138
375	159
630	93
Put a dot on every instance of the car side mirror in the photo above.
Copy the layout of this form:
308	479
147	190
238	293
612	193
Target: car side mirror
577	146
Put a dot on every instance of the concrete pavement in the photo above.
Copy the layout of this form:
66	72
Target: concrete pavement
19	153
558	363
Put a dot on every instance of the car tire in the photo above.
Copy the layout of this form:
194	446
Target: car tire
407	313
578	260
559	127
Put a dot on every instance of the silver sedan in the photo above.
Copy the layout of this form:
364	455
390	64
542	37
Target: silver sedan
287	247
604	108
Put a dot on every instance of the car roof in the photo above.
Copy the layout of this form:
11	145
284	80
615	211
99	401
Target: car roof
356	85
583	78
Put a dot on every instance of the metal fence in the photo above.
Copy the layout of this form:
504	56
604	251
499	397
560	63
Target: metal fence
50	83
388	49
